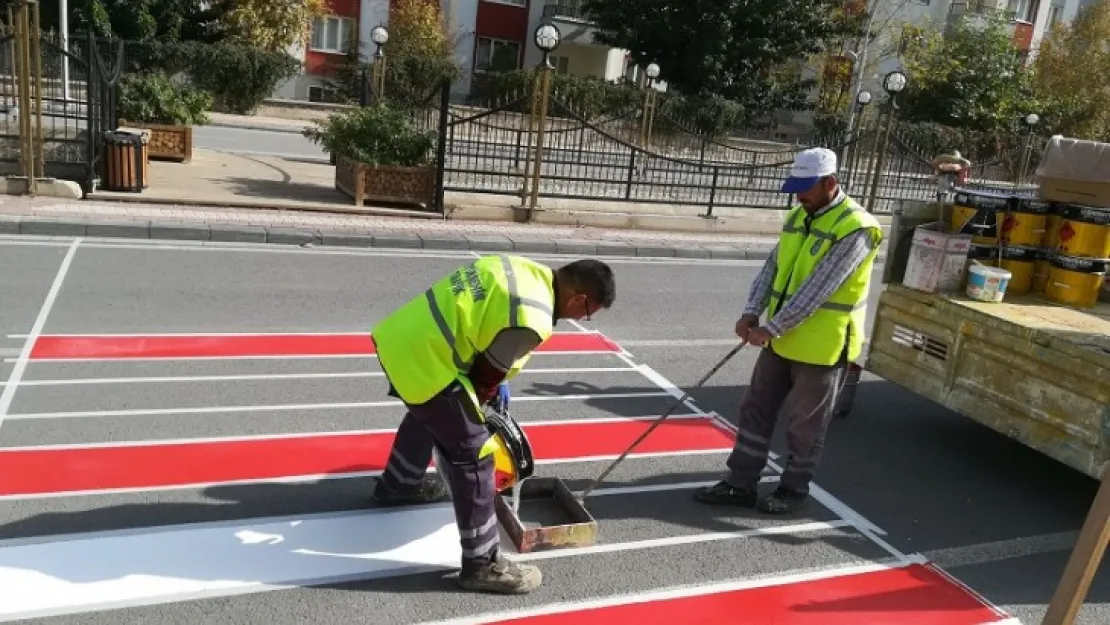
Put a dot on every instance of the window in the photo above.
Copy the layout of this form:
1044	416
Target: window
317	93
1022	10
560	63
496	55
1054	14
332	34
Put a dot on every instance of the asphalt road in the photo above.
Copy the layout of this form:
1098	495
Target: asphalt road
992	513
603	173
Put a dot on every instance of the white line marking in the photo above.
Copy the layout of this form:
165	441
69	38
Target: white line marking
91	572
21	363
672	593
865	526
284	376
41	361
287	407
105	243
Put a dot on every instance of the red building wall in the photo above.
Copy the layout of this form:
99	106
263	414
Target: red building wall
502	21
324	63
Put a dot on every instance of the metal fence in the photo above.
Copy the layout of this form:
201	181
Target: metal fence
612	159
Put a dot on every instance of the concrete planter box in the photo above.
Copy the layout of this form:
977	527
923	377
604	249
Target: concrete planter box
167	143
386	183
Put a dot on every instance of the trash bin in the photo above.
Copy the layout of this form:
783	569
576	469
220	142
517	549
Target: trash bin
847	391
124	162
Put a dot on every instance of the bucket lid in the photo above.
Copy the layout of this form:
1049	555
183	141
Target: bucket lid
987	270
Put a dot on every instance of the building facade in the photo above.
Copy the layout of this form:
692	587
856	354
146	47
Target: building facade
490	35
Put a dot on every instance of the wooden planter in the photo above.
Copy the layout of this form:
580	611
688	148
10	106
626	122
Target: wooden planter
167	143
386	183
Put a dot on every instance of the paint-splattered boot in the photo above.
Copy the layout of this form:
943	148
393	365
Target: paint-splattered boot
501	576
431	490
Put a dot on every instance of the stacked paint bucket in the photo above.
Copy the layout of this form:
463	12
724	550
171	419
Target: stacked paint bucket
1060	250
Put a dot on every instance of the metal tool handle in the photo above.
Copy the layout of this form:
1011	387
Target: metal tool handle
660	420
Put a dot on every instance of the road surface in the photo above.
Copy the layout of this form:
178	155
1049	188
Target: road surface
222	474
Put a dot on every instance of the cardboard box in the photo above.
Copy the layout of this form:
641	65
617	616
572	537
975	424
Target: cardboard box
937	259
1073	171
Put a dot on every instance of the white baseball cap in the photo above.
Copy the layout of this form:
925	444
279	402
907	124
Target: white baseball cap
809	166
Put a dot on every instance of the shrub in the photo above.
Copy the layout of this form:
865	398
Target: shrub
374	135
239	77
155	98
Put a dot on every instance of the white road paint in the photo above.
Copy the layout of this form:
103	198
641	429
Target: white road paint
16	375
138	412
282	376
677	343
80	573
675	593
269	248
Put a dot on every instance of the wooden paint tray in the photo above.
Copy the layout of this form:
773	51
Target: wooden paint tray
550	517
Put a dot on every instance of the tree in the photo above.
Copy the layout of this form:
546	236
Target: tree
971	77
748	51
137	20
272	24
1072	75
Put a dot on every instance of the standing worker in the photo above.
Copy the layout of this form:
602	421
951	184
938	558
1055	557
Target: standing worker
814	289
446	354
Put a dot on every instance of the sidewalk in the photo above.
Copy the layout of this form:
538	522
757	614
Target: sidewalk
50	216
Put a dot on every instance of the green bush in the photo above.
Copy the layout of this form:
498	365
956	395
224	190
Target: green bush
155	98
587	96
374	135
239	77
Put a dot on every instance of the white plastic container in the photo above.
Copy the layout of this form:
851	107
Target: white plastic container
986	283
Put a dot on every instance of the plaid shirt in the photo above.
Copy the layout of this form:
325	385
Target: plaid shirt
841	261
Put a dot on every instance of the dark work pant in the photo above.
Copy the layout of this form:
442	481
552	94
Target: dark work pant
448	422
806	394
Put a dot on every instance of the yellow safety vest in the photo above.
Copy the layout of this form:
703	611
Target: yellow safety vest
820	339
432	340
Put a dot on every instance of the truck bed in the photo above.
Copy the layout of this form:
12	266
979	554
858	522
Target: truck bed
1030	369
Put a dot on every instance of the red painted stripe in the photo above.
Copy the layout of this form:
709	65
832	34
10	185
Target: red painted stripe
230	345
31	471
912	595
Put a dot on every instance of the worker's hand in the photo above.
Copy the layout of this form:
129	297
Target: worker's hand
759	337
744	326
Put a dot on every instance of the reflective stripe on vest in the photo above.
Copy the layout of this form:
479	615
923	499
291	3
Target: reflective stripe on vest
432	340
838	323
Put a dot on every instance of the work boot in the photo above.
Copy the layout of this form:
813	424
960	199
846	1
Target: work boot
430	490
501	576
782	501
723	493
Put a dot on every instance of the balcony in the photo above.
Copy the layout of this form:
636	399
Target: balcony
572	21
980	10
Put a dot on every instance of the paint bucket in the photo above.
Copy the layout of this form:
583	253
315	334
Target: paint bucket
985	254
1025	225
1075	281
1020	262
1084	232
987	284
1040	271
976	213
1052	227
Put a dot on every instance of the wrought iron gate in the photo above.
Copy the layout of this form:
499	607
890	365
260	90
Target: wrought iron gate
56	100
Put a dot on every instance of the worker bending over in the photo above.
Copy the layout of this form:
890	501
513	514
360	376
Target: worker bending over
814	289
446	354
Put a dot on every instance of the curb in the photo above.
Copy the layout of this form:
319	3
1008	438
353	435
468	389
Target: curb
261	126
282	235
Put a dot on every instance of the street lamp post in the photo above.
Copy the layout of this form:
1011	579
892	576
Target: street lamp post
379	35
546	38
893	84
652	72
1031	120
863	98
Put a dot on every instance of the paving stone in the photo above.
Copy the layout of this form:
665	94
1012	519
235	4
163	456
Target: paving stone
344	239
579	248
534	246
489	243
